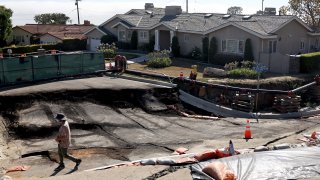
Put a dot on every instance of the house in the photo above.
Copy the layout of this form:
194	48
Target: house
48	33
273	37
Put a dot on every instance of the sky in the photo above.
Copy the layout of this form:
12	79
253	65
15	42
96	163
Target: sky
98	11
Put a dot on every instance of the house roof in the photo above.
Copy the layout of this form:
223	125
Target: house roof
66	35
53	28
204	23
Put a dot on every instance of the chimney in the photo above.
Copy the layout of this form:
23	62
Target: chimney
148	6
86	23
173	10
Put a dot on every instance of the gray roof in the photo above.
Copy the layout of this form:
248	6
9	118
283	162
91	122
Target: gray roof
199	22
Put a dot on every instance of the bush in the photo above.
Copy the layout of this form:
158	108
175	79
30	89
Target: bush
247	64
205	49
195	54
72	45
28	48
310	63
123	45
108	39
222	59
134	40
212	49
231	66
151	43
248	53
175	47
243	73
159	59
108	50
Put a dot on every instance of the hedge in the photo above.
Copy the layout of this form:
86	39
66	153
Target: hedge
222	59
310	63
66	45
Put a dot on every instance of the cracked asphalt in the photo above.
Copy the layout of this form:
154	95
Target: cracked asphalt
106	133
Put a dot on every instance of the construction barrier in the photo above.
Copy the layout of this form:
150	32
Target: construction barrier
33	68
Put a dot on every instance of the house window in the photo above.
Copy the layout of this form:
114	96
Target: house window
224	46
143	34
272	47
232	46
241	47
186	37
302	45
122	35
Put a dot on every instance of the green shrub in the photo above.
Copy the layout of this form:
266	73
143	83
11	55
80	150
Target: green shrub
248	53
231	66
243	73
108	39
72	45
28	48
175	47
134	40
247	64
123	45
212	49
205	49
108	50
310	63
151	44
195	53
159	59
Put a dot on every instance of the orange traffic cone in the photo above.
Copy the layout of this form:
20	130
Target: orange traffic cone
181	75
247	132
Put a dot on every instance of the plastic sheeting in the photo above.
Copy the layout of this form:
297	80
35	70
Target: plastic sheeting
280	164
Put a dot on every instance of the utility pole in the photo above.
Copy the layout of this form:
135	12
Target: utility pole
78	10
187	6
262	7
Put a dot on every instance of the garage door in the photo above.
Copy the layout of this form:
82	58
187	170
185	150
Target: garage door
94	43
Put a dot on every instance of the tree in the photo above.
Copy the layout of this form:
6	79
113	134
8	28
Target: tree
134	40
108	39
235	10
212	49
248	53
5	25
51	18
175	47
205	48
284	10
307	10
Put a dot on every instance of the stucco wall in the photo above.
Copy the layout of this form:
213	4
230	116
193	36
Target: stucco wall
95	34
19	32
191	41
290	36
234	33
277	63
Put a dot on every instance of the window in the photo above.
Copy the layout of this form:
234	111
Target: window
272	47
143	34
316	44
223	46
241	47
232	46
122	35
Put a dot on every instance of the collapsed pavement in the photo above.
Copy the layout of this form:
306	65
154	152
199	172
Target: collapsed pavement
111	123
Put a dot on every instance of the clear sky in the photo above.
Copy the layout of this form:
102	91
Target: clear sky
98	11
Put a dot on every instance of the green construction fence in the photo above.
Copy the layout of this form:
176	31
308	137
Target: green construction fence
33	68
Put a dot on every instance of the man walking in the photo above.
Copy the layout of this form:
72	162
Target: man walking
64	139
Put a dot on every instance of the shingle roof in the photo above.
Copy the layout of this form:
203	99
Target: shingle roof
144	12
198	22
45	28
67	35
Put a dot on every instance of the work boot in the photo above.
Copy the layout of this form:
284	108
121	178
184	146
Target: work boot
78	162
61	166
